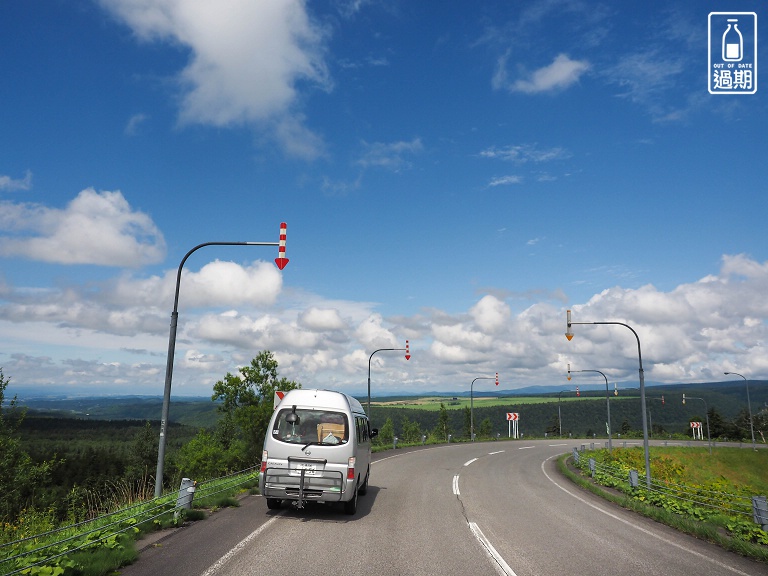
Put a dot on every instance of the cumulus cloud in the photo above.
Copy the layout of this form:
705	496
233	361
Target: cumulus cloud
94	228
321	320
560	74
246	59
490	313
690	333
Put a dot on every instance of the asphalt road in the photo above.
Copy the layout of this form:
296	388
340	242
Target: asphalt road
481	509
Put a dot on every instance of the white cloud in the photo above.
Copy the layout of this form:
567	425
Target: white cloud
391	156
321	320
505	180
522	153
560	74
246	59
132	127
102	337
490	313
94	228
11	185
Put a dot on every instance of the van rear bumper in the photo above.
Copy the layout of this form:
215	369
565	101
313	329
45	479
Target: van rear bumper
326	486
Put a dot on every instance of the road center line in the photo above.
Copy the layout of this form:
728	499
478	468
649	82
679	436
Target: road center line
468	462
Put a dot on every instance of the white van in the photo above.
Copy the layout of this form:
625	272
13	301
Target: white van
317	448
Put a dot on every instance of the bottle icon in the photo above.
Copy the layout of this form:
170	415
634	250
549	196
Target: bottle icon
733	42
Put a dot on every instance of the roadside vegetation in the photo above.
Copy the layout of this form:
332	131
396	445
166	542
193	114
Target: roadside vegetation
702	494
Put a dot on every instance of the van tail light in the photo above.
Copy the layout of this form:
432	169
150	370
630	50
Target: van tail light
351	469
263	461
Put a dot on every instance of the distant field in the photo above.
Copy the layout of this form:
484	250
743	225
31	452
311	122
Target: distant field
460	402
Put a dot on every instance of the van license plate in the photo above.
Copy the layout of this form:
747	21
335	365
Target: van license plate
309	469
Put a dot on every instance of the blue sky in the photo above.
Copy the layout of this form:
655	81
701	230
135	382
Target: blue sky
456	174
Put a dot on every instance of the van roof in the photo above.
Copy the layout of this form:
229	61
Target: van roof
322	399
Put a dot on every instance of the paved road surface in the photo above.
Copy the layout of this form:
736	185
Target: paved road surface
481	509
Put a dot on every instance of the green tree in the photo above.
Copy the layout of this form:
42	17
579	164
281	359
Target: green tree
486	428
20	478
554	426
717	425
203	457
248	401
143	457
387	432
411	431
625	427
468	422
442	429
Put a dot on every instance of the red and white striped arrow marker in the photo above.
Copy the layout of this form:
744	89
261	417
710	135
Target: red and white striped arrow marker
281	260
407	351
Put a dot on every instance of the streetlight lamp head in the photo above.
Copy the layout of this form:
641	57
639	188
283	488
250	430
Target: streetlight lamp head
568	333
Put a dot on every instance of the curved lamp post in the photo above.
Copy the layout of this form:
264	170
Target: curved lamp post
607	401
281	261
749	407
407	357
569	335
706	415
559	419
472	404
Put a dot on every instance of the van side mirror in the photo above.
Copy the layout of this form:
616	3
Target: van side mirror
374	432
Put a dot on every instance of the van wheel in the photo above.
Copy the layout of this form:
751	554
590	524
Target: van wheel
364	487
273	503
350	507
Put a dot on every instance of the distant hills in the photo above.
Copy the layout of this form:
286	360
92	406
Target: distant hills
726	397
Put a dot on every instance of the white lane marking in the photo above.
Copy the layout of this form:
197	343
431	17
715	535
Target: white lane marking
563	444
216	566
456	486
497	452
501	566
468	462
526	447
635	526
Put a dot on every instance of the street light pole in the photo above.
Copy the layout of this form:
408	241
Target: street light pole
281	262
559	419
749	407
472	405
607	402
407	357
569	335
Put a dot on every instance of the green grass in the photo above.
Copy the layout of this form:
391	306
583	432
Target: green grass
433	403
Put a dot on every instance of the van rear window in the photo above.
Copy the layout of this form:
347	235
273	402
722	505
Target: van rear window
302	426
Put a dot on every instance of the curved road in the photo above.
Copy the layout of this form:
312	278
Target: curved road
481	509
